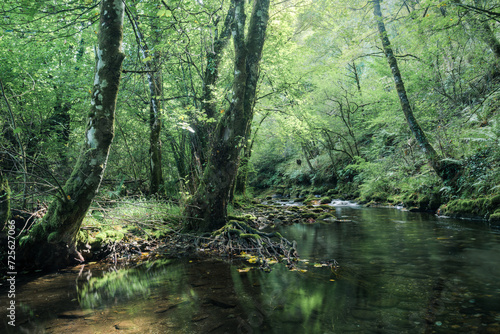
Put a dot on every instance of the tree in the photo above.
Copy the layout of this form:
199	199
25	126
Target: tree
200	138
152	64
207	210
445	170
52	241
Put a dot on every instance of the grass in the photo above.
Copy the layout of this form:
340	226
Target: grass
128	219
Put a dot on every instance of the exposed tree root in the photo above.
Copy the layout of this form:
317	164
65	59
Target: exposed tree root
236	238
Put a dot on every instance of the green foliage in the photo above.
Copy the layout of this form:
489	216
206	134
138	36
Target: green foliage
4	200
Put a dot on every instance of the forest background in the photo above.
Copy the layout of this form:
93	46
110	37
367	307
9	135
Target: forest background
326	117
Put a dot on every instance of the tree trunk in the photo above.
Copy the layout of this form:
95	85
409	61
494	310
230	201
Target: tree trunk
156	181
207	210
200	139
153	72
52	241
446	171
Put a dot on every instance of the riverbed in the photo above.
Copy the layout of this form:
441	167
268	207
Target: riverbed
399	272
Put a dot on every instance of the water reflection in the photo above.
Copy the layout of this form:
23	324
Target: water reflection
400	272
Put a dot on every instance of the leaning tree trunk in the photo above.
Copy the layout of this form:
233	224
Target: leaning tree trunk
207	210
446	171
52	241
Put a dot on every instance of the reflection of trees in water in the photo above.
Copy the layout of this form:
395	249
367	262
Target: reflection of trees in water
396	269
125	284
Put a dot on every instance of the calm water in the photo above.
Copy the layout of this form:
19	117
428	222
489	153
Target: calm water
400	272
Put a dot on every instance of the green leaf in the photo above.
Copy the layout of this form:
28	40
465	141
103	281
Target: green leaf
164	12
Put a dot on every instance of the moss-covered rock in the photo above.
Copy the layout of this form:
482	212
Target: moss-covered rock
325	216
325	200
495	217
309	215
481	208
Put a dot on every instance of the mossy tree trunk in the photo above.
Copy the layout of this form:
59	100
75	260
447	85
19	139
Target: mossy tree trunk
207	211
52	241
203	130
445	170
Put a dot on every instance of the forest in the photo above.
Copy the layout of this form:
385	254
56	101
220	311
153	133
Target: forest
140	120
175	166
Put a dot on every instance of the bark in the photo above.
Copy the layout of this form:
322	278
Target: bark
156	181
200	139
52	241
445	171
207	210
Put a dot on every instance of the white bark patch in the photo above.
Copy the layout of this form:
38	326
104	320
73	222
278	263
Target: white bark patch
227	133
236	73
118	7
100	62
91	139
98	107
96	79
104	83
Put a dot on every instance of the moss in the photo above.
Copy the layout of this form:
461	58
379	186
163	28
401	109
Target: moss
52	237
495	217
309	215
494	202
324	216
325	200
249	236
480	207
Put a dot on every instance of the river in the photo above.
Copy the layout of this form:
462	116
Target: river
399	272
